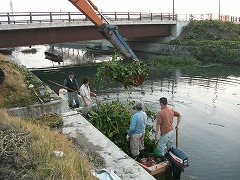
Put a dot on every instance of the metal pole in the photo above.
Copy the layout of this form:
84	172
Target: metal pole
219	9
176	137
173	10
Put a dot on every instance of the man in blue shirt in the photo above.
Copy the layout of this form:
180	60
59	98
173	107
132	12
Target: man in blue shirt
136	132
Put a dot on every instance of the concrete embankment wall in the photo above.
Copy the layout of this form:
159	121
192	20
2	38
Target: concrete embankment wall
55	106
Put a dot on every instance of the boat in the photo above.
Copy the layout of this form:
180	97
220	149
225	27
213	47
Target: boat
155	168
6	51
53	57
91	50
175	159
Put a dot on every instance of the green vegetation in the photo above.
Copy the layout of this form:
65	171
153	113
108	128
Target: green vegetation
113	120
131	73
15	91
28	51
212	41
173	62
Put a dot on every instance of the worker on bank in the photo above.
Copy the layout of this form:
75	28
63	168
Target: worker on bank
72	88
86	93
136	132
164	123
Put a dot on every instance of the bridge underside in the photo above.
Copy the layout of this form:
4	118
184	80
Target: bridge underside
37	36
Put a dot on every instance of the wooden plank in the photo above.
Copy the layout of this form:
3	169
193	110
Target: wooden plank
155	169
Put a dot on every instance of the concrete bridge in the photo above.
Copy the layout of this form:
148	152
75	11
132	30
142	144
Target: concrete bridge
26	29
34	28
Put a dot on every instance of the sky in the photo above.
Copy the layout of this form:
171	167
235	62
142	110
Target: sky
227	7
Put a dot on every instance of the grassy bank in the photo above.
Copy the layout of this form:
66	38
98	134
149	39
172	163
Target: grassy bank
14	91
27	151
27	146
213	41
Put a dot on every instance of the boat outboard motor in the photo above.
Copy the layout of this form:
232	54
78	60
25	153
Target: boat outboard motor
178	160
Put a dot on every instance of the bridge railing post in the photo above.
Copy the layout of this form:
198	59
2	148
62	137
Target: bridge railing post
115	14
161	17
128	16
69	17
140	16
51	17
30	14
9	20
151	17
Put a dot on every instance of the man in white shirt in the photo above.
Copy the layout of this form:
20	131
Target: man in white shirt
86	97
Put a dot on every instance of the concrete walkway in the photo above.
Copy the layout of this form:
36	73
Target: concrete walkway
91	139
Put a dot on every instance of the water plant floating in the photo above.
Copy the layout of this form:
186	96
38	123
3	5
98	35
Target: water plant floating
128	74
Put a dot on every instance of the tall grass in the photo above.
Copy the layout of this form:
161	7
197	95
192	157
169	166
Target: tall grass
73	164
14	91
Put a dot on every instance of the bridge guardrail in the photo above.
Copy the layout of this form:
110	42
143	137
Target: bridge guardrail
51	17
210	16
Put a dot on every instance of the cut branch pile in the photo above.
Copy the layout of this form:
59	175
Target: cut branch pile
15	162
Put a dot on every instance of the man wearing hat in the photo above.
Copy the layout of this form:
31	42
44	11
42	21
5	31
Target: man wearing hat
136	132
72	87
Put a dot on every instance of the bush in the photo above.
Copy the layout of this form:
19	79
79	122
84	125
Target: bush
113	120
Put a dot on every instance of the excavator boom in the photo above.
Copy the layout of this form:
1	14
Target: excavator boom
108	31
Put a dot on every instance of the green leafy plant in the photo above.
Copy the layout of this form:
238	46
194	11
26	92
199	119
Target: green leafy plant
212	41
113	120
128	74
28	51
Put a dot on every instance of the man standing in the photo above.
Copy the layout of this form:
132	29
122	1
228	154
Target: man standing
164	123
86	97
136	132
72	88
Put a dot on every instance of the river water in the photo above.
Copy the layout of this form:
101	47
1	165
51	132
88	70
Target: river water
207	98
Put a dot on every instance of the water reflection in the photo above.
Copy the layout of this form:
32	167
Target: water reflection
71	56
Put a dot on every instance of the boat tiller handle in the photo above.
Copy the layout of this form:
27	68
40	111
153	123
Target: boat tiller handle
176	137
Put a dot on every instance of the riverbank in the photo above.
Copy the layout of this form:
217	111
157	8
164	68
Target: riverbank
27	150
87	138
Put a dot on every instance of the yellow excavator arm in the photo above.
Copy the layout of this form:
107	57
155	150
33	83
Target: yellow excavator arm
108	31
